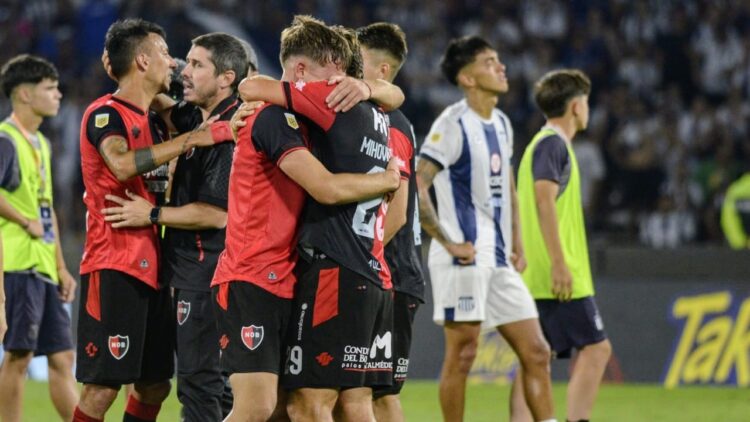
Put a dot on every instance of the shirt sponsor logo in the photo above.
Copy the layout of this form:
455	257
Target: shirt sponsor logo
466	303
291	120
118	346
183	311
101	120
252	336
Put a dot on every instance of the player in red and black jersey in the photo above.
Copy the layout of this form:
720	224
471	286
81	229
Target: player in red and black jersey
384	51
195	219
124	310
254	281
342	303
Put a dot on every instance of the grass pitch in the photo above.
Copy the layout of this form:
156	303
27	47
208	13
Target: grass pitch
488	403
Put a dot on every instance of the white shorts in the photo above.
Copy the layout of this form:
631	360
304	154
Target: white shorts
493	296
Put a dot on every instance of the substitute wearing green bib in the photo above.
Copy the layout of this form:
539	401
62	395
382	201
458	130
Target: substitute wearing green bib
554	237
570	222
33	199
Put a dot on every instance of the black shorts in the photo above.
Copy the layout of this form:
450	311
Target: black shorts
405	307
126	331
252	327
35	315
340	332
569	325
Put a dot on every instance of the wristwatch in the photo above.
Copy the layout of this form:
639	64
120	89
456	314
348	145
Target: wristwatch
154	216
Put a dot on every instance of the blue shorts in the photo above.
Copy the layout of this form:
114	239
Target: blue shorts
37	320
567	325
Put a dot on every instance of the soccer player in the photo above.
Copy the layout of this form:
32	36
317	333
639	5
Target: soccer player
558	273
195	220
384	51
340	334
37	281
125	324
476	248
273	169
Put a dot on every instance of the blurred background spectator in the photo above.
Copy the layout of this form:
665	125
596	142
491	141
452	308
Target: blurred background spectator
670	100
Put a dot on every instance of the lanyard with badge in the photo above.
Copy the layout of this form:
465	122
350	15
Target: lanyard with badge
45	204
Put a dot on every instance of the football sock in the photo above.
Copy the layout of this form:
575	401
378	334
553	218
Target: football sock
137	411
79	416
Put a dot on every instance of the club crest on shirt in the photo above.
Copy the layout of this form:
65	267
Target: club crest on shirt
435	138
101	120
252	336
291	121
183	311
300	85
118	346
495	163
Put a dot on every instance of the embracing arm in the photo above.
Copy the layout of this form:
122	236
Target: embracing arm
333	189
396	217
126	163
135	211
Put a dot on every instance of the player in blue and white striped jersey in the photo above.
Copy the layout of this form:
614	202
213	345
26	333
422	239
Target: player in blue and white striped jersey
476	246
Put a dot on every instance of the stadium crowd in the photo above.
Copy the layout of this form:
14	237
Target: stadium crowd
671	84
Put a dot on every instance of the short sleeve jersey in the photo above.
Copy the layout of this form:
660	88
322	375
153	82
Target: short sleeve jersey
352	142
10	173
552	162
473	187
133	251
201	175
265	205
403	253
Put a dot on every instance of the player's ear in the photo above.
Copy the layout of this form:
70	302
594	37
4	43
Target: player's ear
141	61
574	105
465	80
22	93
385	70
300	70
227	78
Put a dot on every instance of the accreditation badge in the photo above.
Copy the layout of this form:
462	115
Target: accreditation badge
45	216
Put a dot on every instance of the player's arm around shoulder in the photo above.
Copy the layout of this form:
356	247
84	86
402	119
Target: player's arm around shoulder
350	91
334	189
262	88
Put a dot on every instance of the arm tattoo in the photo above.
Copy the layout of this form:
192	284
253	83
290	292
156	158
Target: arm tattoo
144	160
428	217
429	220
116	145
